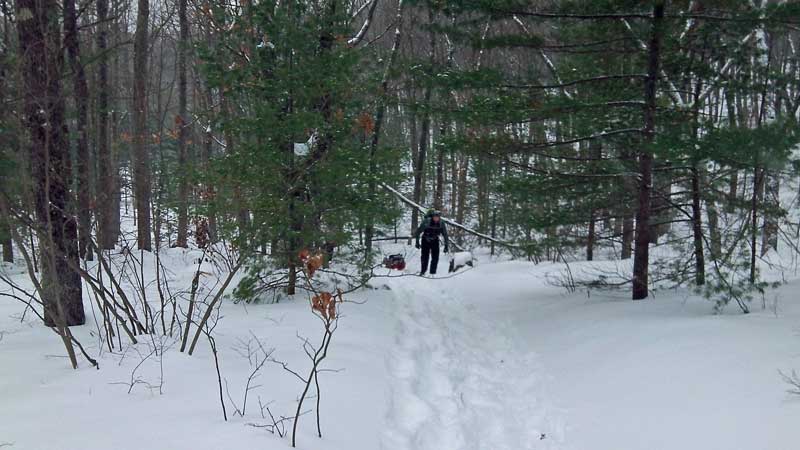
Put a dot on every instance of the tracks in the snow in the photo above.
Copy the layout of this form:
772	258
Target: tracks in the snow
459	382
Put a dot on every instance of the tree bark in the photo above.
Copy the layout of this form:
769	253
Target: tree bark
733	182
424	138
591	237
209	190
5	242
627	236
81	97
641	258
697	230
42	61
242	213
595	154
106	177
453	184
713	218
769	239
438	197
376	132
5	222
141	138
758	186
462	195
182	122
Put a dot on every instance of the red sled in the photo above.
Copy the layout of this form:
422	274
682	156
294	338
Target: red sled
395	262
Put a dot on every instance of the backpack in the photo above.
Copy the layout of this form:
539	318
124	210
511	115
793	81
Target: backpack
395	262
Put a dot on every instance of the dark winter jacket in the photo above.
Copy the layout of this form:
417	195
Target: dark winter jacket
431	230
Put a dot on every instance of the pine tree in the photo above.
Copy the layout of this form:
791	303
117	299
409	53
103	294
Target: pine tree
302	162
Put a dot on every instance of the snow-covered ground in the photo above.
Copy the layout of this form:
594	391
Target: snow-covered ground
494	358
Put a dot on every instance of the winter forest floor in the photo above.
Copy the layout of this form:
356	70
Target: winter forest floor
495	358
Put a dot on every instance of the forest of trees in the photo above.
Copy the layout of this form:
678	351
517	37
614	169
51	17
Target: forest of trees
558	130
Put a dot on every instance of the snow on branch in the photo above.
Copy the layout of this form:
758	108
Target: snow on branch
725	68
547	61
576	82
534	145
673	90
355	40
450	222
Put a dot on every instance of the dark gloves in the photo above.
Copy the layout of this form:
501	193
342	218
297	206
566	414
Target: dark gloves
446	249
418	246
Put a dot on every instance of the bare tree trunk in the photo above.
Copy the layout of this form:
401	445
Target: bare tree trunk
81	96
242	213
424	138
641	258
769	240
414	141
713	219
595	154
482	187
627	236
115	84
760	175
697	230
453	184
758	186
591	237
107	184
208	146
462	194
5	242
5	222
733	182
697	211
376	132
42	61
438	197
141	148
182	123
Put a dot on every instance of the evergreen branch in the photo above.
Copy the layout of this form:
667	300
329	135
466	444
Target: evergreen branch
672	92
575	82
580	16
603	134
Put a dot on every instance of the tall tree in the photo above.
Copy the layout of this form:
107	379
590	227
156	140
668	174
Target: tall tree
182	123
380	115
42	59
425	124
107	226
141	137
81	97
6	138
641	252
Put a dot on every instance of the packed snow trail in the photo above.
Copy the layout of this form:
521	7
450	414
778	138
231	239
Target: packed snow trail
459	381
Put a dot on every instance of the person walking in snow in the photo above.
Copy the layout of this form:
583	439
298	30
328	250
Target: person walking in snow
431	228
